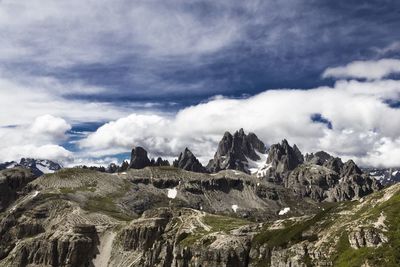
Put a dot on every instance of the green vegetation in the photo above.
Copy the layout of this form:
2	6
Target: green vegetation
386	255
68	172
107	204
217	223
291	234
72	190
223	223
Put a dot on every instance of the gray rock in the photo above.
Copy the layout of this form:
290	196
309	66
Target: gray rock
139	159
366	237
12	181
234	150
282	158
189	162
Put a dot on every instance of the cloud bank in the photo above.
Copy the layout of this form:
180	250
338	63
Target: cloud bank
370	70
361	124
40	139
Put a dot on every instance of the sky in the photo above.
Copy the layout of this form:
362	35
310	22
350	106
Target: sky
82	82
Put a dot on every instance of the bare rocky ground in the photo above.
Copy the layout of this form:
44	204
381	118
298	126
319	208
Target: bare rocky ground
163	216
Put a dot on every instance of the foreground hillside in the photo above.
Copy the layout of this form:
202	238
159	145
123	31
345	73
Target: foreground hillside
164	216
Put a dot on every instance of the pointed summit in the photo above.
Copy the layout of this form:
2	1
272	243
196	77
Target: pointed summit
189	162
283	158
234	151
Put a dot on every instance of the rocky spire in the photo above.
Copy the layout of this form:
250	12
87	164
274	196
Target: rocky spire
139	159
350	168
189	162
159	162
234	151
282	157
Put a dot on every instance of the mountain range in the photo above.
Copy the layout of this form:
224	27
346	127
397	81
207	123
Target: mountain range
250	206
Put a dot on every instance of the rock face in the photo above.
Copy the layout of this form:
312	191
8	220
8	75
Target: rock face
234	151
366	237
156	237
282	158
12	181
320	176
59	249
139	159
189	162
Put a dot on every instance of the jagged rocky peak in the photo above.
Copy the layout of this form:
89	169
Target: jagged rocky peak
323	158
234	151
159	162
324	177
139	158
350	168
283	158
188	161
37	166
318	158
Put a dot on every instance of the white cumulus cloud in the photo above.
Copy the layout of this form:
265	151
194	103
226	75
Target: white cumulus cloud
40	139
358	113
49	125
370	70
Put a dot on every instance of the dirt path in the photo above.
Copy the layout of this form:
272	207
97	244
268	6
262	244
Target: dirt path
105	248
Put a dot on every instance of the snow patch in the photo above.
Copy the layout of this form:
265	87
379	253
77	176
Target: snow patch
172	192
44	169
395	173
379	177
255	166
235	207
284	211
12	165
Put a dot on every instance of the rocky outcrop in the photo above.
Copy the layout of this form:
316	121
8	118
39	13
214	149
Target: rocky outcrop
139	159
160	237
366	237
12	181
354	186
189	162
312	181
320	177
330	180
143	233
59	249
234	151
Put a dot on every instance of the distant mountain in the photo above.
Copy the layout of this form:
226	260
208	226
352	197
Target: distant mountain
319	176
140	160
239	151
187	161
37	166
386	176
